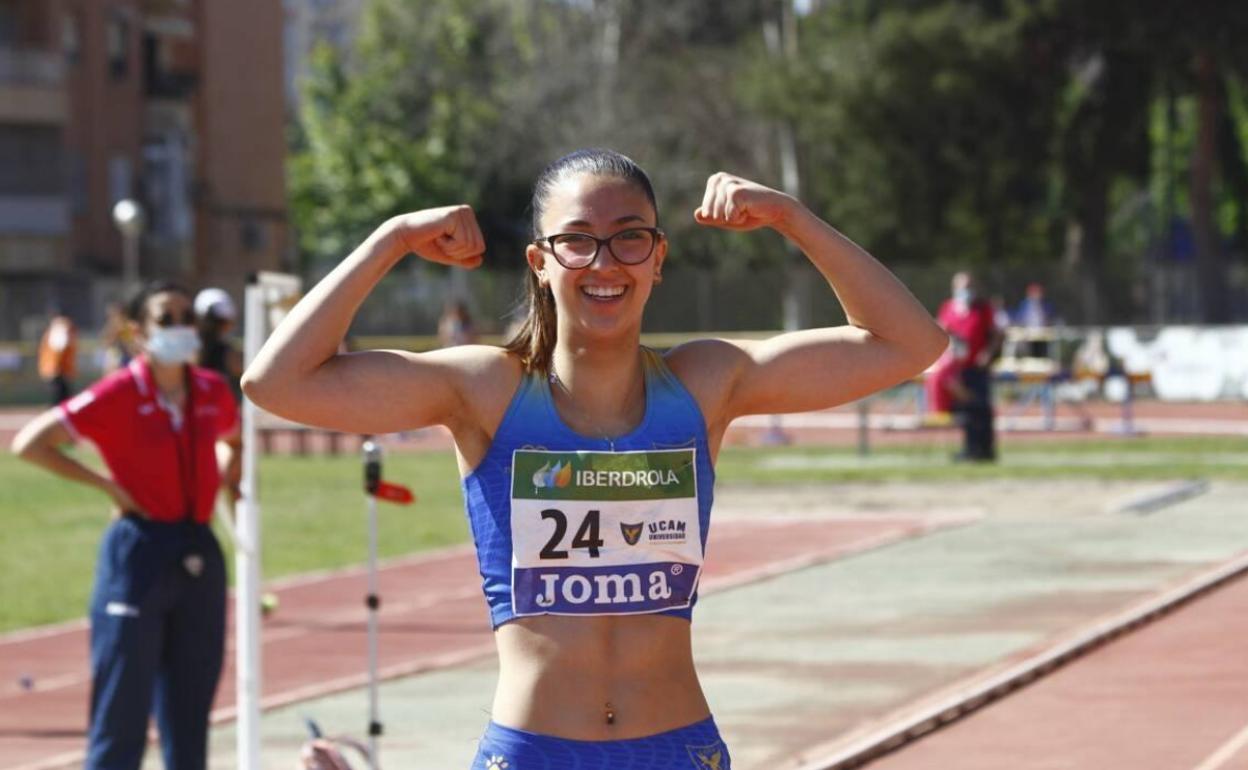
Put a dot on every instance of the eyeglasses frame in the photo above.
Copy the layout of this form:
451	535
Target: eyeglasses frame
549	241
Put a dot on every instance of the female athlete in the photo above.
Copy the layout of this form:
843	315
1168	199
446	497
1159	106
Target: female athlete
587	460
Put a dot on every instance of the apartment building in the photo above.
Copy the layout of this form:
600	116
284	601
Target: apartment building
178	104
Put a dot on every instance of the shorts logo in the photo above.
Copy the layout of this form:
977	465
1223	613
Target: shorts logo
496	762
711	757
631	532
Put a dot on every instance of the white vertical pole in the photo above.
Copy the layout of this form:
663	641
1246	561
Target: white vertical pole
372	477
247	559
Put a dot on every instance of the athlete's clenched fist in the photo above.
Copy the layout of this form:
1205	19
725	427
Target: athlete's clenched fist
733	203
449	235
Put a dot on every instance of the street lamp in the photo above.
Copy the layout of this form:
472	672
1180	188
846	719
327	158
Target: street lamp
130	220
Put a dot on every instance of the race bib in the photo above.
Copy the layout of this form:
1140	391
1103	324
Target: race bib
604	533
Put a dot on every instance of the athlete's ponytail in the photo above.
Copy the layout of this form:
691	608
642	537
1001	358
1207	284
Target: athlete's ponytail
534	341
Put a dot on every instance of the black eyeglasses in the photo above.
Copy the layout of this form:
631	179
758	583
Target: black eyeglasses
578	250
167	319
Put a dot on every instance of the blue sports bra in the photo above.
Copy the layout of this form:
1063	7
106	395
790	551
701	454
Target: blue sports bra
567	524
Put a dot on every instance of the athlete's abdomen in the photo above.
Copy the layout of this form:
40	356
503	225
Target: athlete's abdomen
597	678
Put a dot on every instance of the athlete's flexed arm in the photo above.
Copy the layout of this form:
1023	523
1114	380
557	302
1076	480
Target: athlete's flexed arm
299	374
890	336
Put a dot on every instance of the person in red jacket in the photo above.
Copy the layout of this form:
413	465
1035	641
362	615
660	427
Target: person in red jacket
158	607
976	339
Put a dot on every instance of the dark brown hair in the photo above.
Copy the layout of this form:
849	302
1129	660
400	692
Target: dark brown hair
534	341
136	305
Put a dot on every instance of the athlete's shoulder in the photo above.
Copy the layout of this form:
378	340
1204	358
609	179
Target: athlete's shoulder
705	357
708	370
486	375
485	379
478	358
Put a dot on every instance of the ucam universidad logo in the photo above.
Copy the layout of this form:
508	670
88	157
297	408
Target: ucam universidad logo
631	532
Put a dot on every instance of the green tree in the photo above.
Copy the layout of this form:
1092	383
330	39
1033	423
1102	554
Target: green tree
926	129
998	131
455	100
413	117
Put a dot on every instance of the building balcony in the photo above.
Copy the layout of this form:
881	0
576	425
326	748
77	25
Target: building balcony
32	86
32	255
41	215
31	67
174	86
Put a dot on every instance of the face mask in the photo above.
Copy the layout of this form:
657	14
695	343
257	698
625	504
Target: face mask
964	296
174	344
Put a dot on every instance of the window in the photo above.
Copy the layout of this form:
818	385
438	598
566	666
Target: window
31	160
119	178
252	235
118	44
78	191
70	42
8	23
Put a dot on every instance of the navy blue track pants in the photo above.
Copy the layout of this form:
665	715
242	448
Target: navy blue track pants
157	642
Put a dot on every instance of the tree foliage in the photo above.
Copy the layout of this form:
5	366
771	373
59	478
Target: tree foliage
987	133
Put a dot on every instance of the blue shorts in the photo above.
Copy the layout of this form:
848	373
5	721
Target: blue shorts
696	747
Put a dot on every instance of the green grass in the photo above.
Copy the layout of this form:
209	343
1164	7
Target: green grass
314	513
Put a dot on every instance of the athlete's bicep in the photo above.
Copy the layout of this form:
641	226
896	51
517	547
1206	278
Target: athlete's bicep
815	369
374	391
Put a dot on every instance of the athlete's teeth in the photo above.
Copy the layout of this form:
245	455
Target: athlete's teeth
603	291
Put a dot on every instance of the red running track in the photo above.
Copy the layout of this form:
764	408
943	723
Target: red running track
1172	695
433	615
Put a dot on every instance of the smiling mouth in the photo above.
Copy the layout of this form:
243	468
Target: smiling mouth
603	292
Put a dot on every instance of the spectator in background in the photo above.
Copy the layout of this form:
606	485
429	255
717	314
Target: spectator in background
58	356
943	385
455	326
971	322
158	607
1035	314
116	340
214	318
